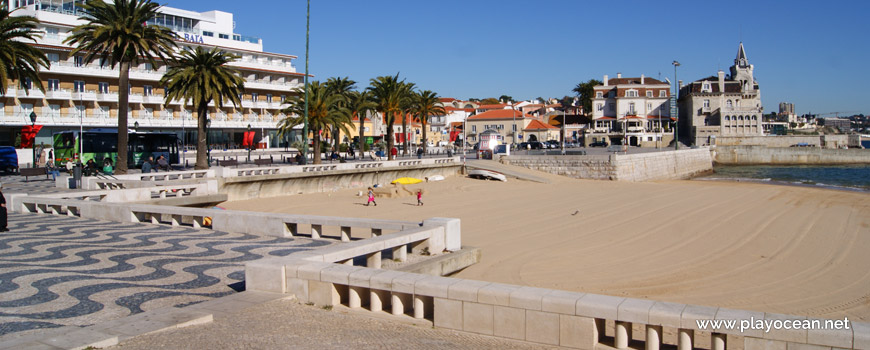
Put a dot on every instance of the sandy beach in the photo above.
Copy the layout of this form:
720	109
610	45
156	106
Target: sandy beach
782	249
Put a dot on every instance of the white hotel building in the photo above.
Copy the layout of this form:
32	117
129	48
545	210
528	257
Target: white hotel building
87	94
631	111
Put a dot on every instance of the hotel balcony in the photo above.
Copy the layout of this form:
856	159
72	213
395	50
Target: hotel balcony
59	94
107	97
153	99
706	110
272	86
87	95
32	93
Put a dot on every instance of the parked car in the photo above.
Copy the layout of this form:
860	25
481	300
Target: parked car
598	144
553	144
537	145
8	159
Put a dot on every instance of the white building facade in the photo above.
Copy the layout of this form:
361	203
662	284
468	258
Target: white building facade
86	94
632	111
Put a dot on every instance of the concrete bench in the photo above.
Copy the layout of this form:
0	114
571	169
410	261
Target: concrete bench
228	162
263	161
27	172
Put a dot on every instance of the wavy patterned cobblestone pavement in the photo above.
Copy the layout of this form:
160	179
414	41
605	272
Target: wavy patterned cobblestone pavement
59	271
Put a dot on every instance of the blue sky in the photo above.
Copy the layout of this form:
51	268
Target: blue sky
810	53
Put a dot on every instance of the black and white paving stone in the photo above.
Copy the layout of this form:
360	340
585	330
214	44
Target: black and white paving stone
60	271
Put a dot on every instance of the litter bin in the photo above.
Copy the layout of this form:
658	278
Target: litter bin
77	176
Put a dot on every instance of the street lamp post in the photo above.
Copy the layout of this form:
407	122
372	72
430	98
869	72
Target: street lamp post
207	145
32	129
249	144
676	107
305	120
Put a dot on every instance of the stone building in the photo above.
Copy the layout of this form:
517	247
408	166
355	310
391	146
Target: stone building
721	105
633	111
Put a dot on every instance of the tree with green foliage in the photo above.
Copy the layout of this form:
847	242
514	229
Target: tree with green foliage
505	99
489	101
117	33
407	110
324	111
390	95
586	91
342	87
360	105
18	60
426	104
200	77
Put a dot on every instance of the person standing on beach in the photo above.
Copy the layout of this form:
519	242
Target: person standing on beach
419	197
371	197
3	222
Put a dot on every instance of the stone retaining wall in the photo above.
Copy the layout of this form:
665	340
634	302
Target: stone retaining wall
663	165
759	155
825	141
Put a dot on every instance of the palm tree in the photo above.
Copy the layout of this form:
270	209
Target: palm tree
426	104
359	105
200	77
342	87
117	32
407	91
387	93
324	111
18	60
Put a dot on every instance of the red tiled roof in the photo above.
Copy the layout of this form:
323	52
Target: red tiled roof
446	99
604	118
537	125
451	109
499	114
456	125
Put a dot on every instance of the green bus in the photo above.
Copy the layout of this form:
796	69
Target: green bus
99	144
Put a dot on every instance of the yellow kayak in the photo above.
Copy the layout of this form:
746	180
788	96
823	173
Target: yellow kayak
406	181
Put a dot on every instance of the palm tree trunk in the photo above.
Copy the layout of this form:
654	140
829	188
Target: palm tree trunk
423	122
316	139
390	142
406	135
123	108
335	141
362	134
201	137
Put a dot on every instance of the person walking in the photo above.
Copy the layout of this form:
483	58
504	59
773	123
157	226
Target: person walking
419	197
371	197
3	218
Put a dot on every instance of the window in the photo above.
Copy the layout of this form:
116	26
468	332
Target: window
706	103
649	94
514	128
631	108
53	84
631	93
147	90
600	107
148	66
649	106
706	88
223	36
53	57
269	98
283	97
104	88
254	96
79	86
474	128
728	104
599	94
205	33
79	61
663	93
237	37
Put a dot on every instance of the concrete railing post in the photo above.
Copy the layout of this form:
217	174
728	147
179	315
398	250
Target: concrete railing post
653	337
375	302
376	232
345	233
354	299
717	341
316	231
373	260
419	307
398	305
400	253
686	339
622	335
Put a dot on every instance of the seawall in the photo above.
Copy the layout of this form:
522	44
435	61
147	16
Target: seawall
665	165
759	155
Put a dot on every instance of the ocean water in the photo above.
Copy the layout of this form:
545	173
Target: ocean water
847	177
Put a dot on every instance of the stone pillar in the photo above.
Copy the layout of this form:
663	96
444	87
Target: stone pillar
316	231
345	234
686	339
376	304
717	341
400	253
373	260
653	337
376	232
419	307
397	304
354	300
622	335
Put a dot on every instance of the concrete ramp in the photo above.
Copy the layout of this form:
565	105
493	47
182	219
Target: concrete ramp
508	170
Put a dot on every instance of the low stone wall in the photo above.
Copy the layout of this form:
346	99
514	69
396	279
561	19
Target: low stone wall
330	178
663	165
759	155
824	141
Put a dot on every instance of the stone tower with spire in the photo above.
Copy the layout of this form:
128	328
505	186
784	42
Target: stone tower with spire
722	107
